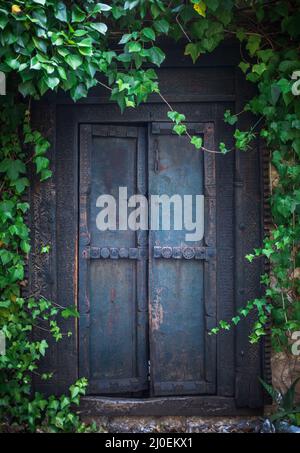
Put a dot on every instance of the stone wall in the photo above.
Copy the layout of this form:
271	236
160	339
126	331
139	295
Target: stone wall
285	367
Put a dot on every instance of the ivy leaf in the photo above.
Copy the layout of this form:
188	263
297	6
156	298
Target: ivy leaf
101	7
27	88
61	12
179	129
70	311
259	68
224	325
134	47
74	61
156	55
253	44
148	33
222	148
193	50
6	256
13	63
236	320
20	184
196	141
42	347
244	66
51	82
12	167
77	14
45	174
100	27
41	163
176	117
79	92
40	2
25	246
230	119
284	85
162	26
3	21
125	38
212	4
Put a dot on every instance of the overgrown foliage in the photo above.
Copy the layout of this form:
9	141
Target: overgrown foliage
75	45
286	407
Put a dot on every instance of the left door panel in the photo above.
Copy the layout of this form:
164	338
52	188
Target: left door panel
112	264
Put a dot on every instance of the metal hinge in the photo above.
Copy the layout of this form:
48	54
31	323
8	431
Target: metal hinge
149	370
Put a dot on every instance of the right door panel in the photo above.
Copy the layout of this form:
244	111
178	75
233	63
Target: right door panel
181	268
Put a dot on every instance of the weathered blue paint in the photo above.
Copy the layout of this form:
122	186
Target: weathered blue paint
142	297
116	345
176	286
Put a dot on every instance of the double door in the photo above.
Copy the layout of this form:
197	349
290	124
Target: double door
147	281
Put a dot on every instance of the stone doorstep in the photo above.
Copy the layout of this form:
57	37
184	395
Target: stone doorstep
177	424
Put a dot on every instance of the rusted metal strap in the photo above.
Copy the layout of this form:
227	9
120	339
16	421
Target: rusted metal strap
187	253
114	253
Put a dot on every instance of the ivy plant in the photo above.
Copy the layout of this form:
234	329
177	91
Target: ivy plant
75	45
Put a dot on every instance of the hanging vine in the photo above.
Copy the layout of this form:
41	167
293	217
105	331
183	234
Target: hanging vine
75	45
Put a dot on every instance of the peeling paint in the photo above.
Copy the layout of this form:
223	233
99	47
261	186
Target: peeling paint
157	310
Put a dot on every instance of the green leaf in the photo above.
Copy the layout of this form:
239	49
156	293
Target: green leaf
61	12
101	7
3	22
62	73
230	119
275	394
27	88
20	184
196	141
156	55
176	117
41	163
45	174
25	246
13	63
236	320
99	27
77	14
222	148
80	91
259	68
40	44
51	82
74	61
179	129
193	49
148	33
6	256
162	26
244	66
12	167
70	312
125	38
134	46
253	44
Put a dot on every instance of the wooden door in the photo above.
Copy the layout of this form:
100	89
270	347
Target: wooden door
147	300
182	273
112	279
